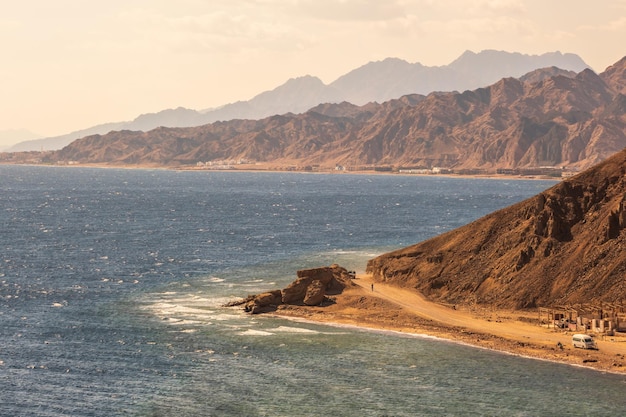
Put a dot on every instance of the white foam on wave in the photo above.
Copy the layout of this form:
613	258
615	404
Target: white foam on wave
251	332
352	253
198	300
190	310
176	308
344	252
216	279
220	301
354	327
260	284
225	317
287	329
182	322
191	300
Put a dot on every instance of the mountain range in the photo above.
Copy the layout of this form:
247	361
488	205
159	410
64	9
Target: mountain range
548	117
374	82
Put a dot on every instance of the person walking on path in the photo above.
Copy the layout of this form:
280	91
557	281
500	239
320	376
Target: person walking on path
372	286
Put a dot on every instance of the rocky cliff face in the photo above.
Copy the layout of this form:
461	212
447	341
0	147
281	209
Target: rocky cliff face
615	76
554	121
511	124
566	245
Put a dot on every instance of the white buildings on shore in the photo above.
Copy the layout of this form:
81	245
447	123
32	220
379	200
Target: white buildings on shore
222	164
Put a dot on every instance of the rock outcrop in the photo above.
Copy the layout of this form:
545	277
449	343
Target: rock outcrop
311	288
564	246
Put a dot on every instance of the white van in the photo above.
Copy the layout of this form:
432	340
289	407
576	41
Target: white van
583	341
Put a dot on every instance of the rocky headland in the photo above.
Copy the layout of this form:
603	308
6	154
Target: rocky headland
485	283
312	287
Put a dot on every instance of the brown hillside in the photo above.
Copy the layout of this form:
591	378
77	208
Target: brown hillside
510	124
566	245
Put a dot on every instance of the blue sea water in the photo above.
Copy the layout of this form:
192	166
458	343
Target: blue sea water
112	284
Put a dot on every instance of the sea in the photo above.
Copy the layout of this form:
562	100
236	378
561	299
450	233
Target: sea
113	284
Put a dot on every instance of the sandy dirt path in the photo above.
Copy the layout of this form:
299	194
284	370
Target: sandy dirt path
388	307
507	327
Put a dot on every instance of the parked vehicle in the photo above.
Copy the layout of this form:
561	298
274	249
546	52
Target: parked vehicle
584	341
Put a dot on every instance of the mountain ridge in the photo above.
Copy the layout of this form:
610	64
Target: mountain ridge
557	121
359	86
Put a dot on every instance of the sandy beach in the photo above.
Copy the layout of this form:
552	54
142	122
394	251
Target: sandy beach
386	307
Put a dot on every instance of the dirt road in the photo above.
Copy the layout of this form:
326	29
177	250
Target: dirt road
507	327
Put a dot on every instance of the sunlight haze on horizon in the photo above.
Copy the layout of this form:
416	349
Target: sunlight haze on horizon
69	64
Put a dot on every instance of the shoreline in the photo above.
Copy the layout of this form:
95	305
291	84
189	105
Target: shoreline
360	309
425	336
279	170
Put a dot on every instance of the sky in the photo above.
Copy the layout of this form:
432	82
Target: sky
72	64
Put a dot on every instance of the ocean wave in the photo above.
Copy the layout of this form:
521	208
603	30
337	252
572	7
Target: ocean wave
225	317
183	322
287	329
251	332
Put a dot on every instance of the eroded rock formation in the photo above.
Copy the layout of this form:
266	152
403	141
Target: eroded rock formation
311	287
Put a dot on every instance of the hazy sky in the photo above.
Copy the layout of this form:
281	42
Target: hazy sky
71	64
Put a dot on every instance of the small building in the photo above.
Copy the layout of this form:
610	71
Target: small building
602	318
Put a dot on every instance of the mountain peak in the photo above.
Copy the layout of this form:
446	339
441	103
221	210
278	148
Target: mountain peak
615	76
519	64
304	80
545	73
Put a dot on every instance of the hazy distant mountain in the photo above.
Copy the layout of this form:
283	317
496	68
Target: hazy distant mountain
488	66
376	81
392	78
13	136
58	142
556	121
